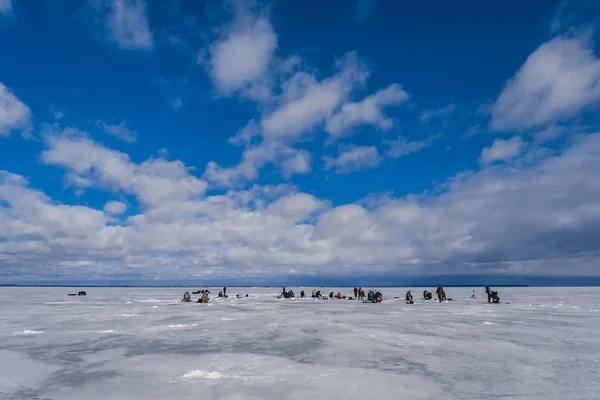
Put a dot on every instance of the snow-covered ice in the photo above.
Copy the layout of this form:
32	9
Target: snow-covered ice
143	343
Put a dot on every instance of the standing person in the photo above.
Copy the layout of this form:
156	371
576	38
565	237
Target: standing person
360	293
474	296
440	293
224	291
488	291
355	292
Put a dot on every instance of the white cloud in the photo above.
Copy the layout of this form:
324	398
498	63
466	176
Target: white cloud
153	182
14	114
503	150
354	158
368	111
308	102
558	80
545	221
304	104
6	6
239	60
293	161
114	207
401	146
127	22
120	131
297	163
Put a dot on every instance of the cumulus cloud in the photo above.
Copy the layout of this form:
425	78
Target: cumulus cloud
293	161
558	80
304	105
120	131
153	182
114	207
240	58
367	111
294	101
309	102
14	114
543	218
353	158
502	150
126	22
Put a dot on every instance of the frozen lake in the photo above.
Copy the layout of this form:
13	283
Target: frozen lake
144	343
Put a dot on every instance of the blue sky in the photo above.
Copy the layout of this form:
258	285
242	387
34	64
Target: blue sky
265	141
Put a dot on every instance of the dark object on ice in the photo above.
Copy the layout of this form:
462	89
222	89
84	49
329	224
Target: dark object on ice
374	297
72	294
246	294
495	298
302	294
197	292
288	295
204	298
409	298
82	293
224	291
318	294
440	293
427	295
488	291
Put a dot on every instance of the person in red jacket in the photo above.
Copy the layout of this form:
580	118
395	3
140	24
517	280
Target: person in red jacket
355	292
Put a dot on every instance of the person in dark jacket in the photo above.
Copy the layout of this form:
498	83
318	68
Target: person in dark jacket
409	298
302	294
440	293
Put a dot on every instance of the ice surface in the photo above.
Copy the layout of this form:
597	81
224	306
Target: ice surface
144	343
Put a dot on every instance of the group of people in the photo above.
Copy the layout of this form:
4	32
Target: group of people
427	295
204	298
492	296
359	294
